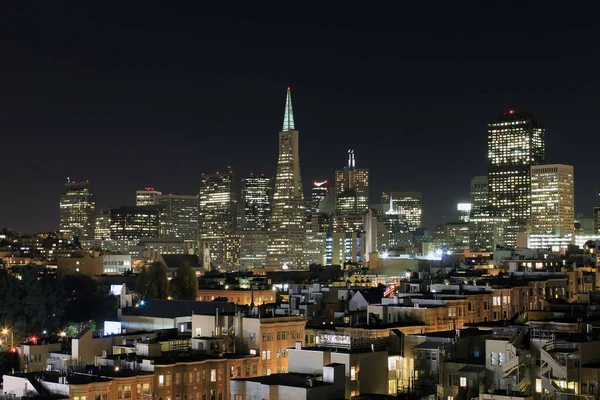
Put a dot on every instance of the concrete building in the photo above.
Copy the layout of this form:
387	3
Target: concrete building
479	193
552	199
287	230
256	200
77	210
93	264
267	337
147	197
409	206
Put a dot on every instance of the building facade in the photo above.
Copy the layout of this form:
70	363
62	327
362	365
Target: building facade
515	143
285	248
217	215
410	208
77	210
352	185
147	197
179	217
256	199
552	199
134	223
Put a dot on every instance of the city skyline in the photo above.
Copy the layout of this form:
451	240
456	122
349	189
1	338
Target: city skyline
93	118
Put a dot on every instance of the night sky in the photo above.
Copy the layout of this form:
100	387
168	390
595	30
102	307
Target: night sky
148	94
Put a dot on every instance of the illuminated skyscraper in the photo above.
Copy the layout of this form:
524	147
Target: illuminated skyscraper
552	199
515	143
256	199
217	214
147	197
410	208
179	217
288	221
77	210
352	182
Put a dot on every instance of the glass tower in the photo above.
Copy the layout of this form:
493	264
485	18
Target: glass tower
217	215
515	143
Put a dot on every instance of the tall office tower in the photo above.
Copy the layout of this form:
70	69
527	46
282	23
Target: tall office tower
479	193
77	210
217	214
102	225
288	219
134	223
256	202
410	208
147	197
515	143
552	199
318	193
179	217
353	182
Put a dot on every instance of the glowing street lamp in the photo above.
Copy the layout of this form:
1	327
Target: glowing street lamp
5	332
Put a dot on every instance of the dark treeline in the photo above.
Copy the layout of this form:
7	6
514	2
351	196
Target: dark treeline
33	300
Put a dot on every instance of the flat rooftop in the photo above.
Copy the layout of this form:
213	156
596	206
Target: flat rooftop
290	379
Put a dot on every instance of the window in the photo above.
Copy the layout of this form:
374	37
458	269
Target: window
185	378
177	378
220	377
268	354
238	397
168	383
353	376
213	394
434	356
264	355
254	369
161	380
463	381
177	397
268	371
198	376
493	360
203	375
213	375
191	378
247	370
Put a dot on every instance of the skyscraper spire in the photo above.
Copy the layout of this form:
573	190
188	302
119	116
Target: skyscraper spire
288	117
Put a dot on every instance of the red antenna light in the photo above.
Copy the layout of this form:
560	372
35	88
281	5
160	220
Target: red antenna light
289	88
511	111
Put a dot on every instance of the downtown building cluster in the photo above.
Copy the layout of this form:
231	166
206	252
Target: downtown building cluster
346	297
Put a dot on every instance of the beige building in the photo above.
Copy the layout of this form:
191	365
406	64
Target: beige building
552	199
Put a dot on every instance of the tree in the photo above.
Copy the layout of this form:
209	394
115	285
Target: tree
184	286
86	300
152	283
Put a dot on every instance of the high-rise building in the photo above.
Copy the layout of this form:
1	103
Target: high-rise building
318	193
147	197
134	223
552	199
515	143
102	225
256	199
288	219
179	217
410	208
352	184
479	193
77	210
217	214
487	229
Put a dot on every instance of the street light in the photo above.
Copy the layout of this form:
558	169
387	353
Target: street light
5	332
